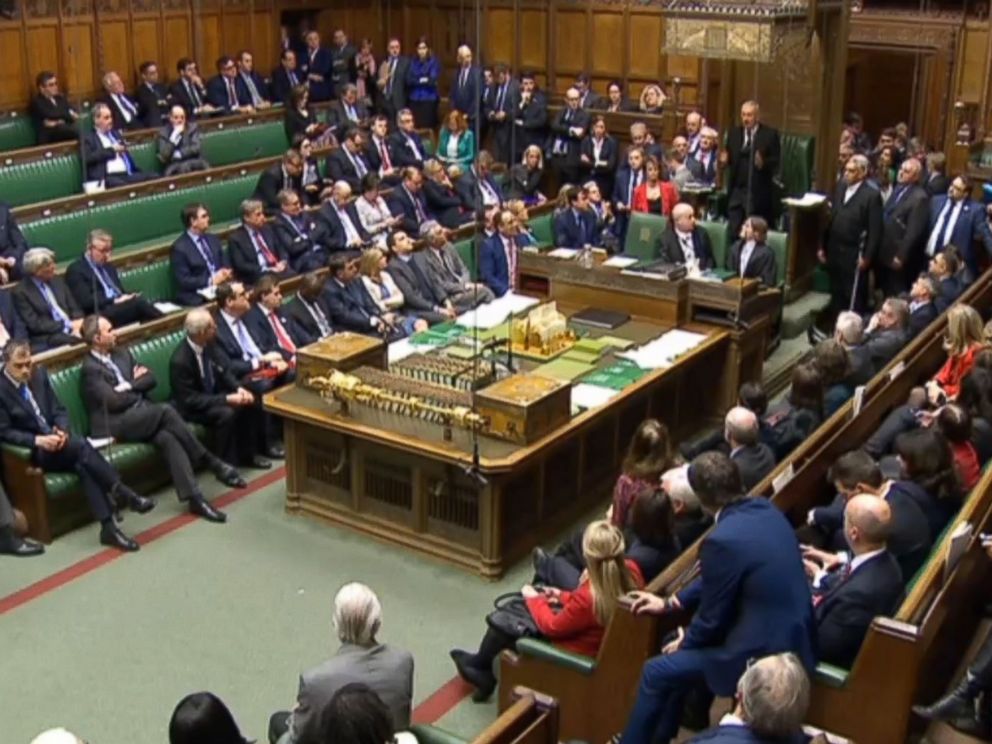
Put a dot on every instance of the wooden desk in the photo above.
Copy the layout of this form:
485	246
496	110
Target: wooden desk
395	478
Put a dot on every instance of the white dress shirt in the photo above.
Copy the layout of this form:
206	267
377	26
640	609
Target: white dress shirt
118	164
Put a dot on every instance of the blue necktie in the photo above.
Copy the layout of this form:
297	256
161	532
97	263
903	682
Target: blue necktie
29	399
128	163
208	373
57	312
249	350
942	224
127	105
201	243
109	290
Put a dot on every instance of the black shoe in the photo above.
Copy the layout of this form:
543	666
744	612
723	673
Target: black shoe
483	680
959	703
11	544
227	475
140	504
202	508
259	463
538	556
814	335
275	452
111	535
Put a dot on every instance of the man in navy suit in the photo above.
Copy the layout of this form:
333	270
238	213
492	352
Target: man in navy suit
500	105
576	226
706	155
347	163
338	218
253	249
351	306
45	304
922	308
226	91
476	187
498	256
106	155
254	84
96	285
32	416
750	600
848	598
188	90
684	241
392	83
317	66
957	219
12	328
568	129
198	262
270	323
405	146
629	176
298	234
12	245
308	310
286	76
406	201
466	87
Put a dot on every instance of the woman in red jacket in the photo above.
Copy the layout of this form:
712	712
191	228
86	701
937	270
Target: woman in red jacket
655	196
575	621
964	340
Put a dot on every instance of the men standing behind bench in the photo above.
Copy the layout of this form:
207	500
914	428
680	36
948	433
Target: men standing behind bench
96	285
253	249
115	390
198	262
31	416
207	392
750	600
105	153
45	304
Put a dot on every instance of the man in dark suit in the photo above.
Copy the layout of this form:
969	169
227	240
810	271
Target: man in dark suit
341	228
498	256
96	285
887	331
684	241
922	308
568	128
317	65
904	231
348	112
853	236
154	99
347	163
849	333
392	80
750	257
269	321
285	77
500	105
308	309
378	152
32	416
198	261
406	149
706	155
420	298
54	120
349	304
253	249
575	227
13	246
206	391
45	304
407	202
189	92
868	585
124	110
936	182
466	87
344	69
957	219
298	235
12	328
753	458
254	84
226	91
751	158
588	98
476	187
115	389
530	117
750	600
286	174
105	153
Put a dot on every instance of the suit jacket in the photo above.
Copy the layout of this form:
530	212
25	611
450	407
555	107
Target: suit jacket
96	156
229	347
760	265
467	98
18	423
320	64
741	170
191	270
469	190
124	415
565	120
282	85
335	237
304	245
937	184
189	390
258	325
401	204
117	112
344	69
904	227
217	94
622	191
884	344
86	288
492	106
305	323
530	122
751	598
732	734
181	97
753	463
42	108
260	85
854	226
607	165
920	317
188	147
339	116
669	247
341	168
848	605
350	307
445	205
10	318
388	671
418	296
271	182
439	279
12	242
245	258
393	95
37	315
970	226
575	229
493	269
707	172
406	152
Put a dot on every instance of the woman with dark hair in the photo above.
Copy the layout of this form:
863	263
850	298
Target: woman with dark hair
975	396
648	456
202	718
750	257
421	85
886	166
311	179
929	476
299	117
834	365
598	158
356	715
655	195
795	418
615	102
954	423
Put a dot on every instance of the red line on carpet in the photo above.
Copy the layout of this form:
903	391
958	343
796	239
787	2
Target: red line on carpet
442	701
108	555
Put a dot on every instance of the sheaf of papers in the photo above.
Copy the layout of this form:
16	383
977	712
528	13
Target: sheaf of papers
809	199
208	293
167	307
491	314
589	396
401	350
664	350
99	442
619	262
564	253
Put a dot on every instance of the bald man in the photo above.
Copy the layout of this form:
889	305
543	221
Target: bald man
684	242
753	458
904	231
848	597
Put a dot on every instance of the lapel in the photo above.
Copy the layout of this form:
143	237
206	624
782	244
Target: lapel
15	394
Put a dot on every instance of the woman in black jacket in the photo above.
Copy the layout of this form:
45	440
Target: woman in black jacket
525	178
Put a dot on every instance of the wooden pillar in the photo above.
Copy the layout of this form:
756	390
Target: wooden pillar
832	33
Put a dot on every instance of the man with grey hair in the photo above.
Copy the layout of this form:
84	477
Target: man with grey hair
690	519
751	160
753	458
105	153
342	228
445	271
853	237
179	145
849	333
888	331
771	702
904	230
45	304
706	155
387	670
97	287
122	108
253	248
348	112
922	310
568	129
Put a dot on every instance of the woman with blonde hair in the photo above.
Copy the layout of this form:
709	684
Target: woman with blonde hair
652	98
575	621
457	142
525	177
965	338
383	290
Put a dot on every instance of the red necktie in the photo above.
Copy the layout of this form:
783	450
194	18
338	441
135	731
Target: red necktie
269	256
281	336
384	152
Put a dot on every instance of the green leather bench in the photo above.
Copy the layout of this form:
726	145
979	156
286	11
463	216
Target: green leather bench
16	131
155	281
543	229
141	222
41	180
642	232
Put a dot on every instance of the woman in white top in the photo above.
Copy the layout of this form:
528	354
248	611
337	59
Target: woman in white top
373	212
383	290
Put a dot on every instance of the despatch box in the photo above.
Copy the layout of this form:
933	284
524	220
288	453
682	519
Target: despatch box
524	407
341	351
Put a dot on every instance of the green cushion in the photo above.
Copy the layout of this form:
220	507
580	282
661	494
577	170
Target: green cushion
155	281
41	180
830	675
779	243
433	735
642	232
236	144
464	248
796	163
16	131
549	652
65	382
155	354
717	232
543	229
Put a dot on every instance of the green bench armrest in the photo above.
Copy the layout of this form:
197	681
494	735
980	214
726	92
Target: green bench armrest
830	675
549	652
433	735
21	453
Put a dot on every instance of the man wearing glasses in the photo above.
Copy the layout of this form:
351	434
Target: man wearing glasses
227	91
567	131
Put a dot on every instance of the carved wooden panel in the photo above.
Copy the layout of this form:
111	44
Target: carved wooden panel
207	42
114	36
236	32
147	46
145	6
110	7
177	43
14	87
175	5
534	39
77	51
264	39
608	45
77	8
972	65
327	470
645	45
519	506
41	8
570	41
42	44
500	41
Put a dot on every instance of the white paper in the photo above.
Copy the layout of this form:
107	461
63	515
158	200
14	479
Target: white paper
99	442
620	262
167	307
208	293
588	396
664	350
809	199
859	399
564	253
896	370
782	479
491	314
960	539
401	350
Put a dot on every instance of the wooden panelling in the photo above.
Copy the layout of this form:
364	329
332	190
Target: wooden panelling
534	39
235	32
972	65
500	42
14	87
570	38
77	49
177	42
114	36
146	45
43	53
207	42
608	46
265	40
645	45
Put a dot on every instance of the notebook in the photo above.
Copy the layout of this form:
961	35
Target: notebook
598	318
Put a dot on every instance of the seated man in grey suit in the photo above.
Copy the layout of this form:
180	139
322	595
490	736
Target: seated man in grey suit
386	670
444	270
